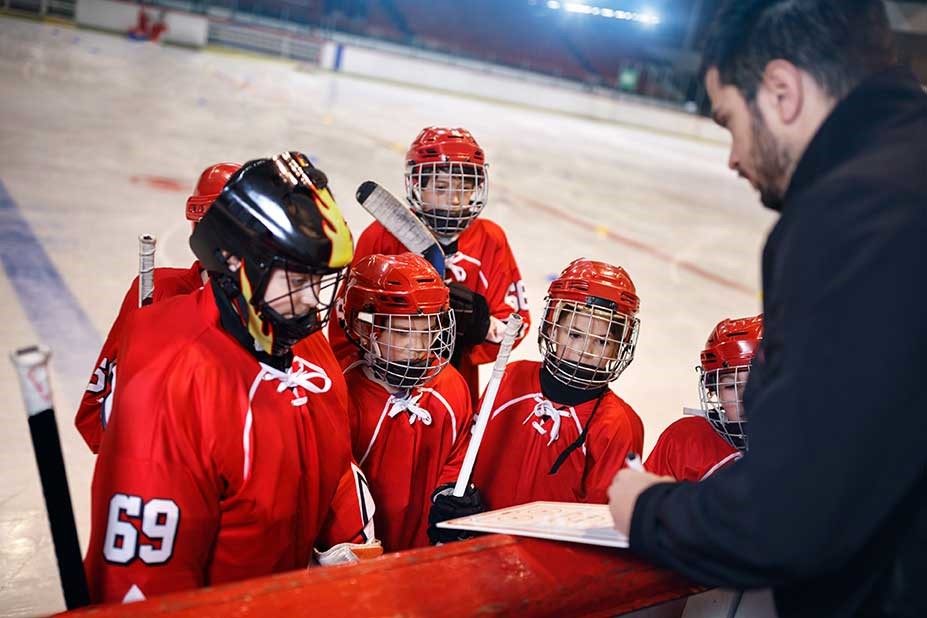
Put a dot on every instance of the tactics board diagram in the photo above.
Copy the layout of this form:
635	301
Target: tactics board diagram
590	524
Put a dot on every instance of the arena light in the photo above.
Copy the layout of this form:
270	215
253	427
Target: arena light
646	17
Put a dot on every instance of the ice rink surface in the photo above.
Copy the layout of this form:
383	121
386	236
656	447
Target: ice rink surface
101	139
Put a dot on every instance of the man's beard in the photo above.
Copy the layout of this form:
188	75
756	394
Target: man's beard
771	162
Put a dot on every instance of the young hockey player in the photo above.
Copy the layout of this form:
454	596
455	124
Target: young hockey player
96	403
556	430
694	447
215	466
447	186
410	410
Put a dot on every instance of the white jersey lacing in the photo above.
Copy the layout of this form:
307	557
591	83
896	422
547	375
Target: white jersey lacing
543	407
394	406
301	377
403	402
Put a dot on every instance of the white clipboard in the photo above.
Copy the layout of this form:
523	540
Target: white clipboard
590	524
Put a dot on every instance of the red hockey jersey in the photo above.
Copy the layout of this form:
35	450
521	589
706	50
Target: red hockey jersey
526	434
690	450
483	263
96	403
408	446
214	467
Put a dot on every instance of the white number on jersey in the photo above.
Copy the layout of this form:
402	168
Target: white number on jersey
159	520
516	296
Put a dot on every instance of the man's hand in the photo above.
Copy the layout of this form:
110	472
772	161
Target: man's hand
622	495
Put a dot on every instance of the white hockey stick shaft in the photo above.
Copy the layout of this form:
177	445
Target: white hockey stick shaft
32	368
146	259
512	328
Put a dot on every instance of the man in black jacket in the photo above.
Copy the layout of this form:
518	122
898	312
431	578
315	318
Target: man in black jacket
829	506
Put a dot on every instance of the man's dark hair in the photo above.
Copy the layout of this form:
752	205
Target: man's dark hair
838	42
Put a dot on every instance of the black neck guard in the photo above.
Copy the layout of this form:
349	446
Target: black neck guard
558	392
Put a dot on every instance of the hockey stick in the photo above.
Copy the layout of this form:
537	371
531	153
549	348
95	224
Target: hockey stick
401	223
146	256
512	328
32	368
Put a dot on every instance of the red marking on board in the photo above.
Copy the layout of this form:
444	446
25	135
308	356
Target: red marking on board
161	183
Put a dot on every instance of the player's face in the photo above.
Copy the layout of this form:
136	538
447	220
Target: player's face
731	393
292	295
586	339
756	154
448	191
407	338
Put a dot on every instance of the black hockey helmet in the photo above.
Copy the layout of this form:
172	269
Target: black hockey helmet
274	213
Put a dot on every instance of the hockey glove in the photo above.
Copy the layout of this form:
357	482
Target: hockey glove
444	506
472	314
347	553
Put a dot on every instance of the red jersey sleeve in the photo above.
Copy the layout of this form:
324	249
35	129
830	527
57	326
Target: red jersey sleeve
351	517
155	506
457	394
505	293
689	450
616	434
96	402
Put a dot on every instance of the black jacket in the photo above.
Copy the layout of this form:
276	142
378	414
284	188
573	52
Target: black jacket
829	507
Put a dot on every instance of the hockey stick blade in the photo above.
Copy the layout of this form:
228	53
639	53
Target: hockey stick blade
400	222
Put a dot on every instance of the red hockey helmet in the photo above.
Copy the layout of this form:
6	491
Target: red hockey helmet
446	179
208	188
589	329
724	370
397	311
732	343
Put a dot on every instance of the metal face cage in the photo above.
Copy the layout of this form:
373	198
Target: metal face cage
584	345
448	196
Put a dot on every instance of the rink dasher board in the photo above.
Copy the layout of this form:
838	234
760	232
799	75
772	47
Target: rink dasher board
590	524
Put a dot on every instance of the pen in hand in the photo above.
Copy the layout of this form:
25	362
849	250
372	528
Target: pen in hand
633	461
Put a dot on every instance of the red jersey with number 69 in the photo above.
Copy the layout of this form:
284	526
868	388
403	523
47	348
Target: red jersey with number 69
408	444
690	450
214	467
96	403
483	263
527	433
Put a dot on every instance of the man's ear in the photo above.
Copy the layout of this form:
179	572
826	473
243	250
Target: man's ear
782	91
